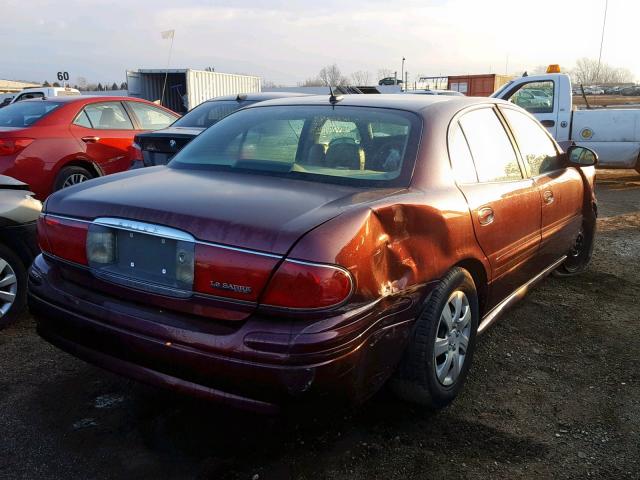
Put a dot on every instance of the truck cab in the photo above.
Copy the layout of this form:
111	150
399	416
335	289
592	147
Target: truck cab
547	97
613	133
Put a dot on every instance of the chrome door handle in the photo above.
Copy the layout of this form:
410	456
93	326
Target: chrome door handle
90	139
548	197
486	215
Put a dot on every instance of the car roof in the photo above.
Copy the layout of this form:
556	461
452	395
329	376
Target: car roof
412	103
258	96
80	98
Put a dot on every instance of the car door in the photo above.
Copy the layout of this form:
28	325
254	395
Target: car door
538	98
504	204
106	133
561	187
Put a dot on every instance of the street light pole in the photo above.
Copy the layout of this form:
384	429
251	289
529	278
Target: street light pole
402	72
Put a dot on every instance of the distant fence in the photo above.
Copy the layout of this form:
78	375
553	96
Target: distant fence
107	93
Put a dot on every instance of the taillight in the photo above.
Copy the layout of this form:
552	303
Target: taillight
137	150
304	285
231	273
64	238
9	146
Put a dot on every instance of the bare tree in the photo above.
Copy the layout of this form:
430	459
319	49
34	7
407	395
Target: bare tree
361	78
332	76
82	83
587	72
384	73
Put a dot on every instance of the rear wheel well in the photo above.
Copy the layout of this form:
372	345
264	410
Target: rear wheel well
477	271
87	165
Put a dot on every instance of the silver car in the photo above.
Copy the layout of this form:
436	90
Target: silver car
19	212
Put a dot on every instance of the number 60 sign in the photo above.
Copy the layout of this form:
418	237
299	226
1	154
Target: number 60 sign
63	76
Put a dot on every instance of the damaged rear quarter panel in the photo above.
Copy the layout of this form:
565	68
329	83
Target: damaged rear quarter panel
396	245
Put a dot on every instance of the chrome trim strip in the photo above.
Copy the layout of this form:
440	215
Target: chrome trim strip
146	228
62	217
516	296
238	249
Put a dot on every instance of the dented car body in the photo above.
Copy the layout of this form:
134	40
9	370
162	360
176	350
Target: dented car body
309	278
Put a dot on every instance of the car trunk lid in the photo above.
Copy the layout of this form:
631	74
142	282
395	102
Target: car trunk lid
159	147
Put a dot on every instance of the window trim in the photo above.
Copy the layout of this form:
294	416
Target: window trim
492	106
515	139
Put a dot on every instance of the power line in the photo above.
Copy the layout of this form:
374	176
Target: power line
604	23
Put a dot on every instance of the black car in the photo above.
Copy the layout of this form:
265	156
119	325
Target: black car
390	81
158	147
19	212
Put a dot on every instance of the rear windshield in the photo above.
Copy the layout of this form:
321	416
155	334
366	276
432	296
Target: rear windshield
349	145
24	114
208	113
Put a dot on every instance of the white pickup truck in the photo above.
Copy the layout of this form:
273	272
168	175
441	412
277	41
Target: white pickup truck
613	133
40	92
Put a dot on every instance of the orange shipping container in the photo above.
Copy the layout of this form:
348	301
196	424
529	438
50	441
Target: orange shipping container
478	85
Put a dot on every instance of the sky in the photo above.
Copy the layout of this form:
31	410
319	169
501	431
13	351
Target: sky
288	41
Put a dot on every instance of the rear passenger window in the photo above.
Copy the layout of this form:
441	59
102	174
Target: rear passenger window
151	118
461	161
83	120
492	151
108	116
536	147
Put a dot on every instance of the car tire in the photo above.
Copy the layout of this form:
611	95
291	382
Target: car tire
580	254
69	176
13	286
426	374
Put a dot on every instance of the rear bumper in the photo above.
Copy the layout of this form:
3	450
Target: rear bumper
23	239
241	364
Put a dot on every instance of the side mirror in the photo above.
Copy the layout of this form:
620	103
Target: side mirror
582	156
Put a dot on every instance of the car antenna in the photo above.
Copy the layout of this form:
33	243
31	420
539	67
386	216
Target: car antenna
332	97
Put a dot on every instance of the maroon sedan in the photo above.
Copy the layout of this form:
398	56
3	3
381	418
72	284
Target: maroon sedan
52	143
315	244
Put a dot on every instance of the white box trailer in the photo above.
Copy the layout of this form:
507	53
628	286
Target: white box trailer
187	88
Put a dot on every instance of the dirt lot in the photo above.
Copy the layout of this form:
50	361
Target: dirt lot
554	393
607	100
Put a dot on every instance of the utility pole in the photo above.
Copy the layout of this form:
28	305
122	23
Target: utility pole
402	71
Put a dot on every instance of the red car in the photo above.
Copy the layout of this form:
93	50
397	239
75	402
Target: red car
315	244
53	143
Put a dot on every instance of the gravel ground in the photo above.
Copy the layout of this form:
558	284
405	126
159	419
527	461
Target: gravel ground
554	393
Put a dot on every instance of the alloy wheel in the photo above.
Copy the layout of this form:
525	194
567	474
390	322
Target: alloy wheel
452	338
74	179
8	287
